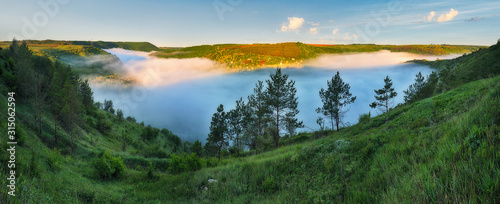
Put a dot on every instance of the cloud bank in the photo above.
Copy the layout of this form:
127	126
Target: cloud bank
443	17
294	23
153	71
365	60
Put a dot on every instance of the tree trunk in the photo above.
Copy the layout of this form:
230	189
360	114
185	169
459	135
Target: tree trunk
331	119
337	121
55	129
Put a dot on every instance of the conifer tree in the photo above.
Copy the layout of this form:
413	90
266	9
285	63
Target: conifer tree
218	130
384	97
281	99
334	98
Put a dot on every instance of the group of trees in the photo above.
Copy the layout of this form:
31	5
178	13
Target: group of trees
49	87
272	109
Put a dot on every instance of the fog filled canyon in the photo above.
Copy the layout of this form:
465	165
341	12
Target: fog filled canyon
182	94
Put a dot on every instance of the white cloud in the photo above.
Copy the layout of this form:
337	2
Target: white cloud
313	23
448	17
430	16
313	31
335	31
347	36
294	23
331	21
442	18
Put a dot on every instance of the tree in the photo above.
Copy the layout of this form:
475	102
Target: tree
421	88
334	98
108	106
412	93
218	130
259	109
281	99
384	96
149	133
237	122
197	148
119	113
87	95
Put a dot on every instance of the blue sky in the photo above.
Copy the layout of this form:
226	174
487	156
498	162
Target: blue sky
195	22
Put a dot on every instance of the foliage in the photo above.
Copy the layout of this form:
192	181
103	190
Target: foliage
334	98
197	148
184	162
119	114
149	133
364	118
218	136
384	96
107	166
281	100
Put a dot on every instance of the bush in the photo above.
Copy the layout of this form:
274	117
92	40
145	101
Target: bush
150	174
103	124
155	151
269	185
131	119
185	162
107	166
364	118
20	135
149	133
54	159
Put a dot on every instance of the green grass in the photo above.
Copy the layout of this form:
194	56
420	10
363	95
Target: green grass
423	152
441	149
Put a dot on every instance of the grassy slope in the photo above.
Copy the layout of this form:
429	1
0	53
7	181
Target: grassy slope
441	149
44	176
469	67
444	148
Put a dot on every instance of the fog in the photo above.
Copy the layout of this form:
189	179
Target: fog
182	94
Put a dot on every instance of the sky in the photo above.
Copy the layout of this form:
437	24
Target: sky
196	22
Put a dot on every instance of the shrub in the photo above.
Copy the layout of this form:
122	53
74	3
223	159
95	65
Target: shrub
107	166
131	119
269	185
364	118
155	151
150	174
54	159
149	133
185	162
103	124
20	135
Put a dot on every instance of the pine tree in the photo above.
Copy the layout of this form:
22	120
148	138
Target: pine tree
282	102
218	130
197	148
237	122
119	113
384	97
334	98
413	92
87	95
259	109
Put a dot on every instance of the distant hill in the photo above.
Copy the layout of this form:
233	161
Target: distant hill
254	56
469	67
137	46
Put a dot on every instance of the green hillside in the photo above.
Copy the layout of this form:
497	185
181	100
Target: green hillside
254	56
469	67
70	149
138	46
